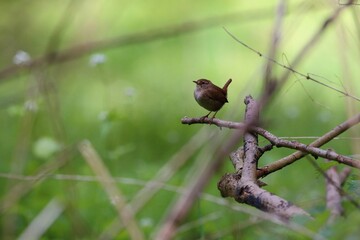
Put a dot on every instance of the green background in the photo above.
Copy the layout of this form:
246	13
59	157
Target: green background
129	108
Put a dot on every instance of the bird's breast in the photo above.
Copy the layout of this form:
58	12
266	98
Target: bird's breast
207	101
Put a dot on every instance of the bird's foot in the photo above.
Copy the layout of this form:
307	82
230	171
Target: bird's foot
202	119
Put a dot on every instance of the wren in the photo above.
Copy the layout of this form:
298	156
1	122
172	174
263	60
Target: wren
210	96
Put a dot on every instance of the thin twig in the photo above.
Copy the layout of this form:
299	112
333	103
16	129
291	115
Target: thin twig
338	187
115	196
20	189
328	154
157	183
276	37
171	188
184	203
327	137
291	68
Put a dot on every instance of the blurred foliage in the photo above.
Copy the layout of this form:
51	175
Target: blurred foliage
128	101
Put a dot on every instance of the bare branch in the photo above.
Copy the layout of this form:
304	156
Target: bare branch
291	68
343	176
250	142
19	190
334	181
328	154
276	36
243	186
43	221
215	121
157	183
250	193
115	196
279	164
185	201
304	149
312	41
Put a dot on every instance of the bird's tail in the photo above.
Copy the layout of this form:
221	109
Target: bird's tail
226	85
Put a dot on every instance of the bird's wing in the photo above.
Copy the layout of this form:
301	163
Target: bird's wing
218	97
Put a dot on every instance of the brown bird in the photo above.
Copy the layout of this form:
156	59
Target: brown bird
210	96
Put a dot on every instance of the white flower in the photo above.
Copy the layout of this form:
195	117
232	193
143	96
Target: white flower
97	59
21	57
130	91
31	105
103	115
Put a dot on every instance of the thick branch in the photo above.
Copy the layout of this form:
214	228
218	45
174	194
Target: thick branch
250	193
250	142
243	185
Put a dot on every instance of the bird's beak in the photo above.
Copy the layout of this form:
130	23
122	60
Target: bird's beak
195	82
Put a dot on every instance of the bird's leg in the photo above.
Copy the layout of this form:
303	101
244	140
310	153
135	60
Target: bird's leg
214	115
203	117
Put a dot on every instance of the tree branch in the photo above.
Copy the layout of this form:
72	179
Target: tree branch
327	137
303	148
250	142
243	185
215	121
334	180
328	154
